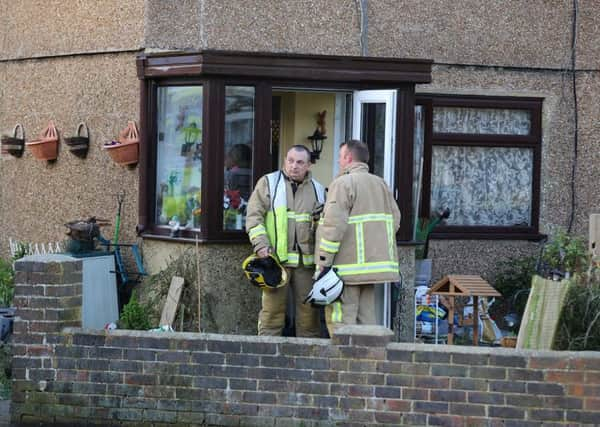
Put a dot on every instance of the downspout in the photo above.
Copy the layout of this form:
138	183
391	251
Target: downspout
361	5
575	114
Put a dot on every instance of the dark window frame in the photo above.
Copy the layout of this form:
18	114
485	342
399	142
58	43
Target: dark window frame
533	141
217	69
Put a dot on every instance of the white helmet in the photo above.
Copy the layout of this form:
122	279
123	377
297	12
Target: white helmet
327	288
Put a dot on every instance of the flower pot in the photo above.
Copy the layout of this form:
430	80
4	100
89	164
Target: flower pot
124	151
45	147
79	144
14	145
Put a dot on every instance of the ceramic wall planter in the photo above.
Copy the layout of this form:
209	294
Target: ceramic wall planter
14	145
46	146
124	151
79	144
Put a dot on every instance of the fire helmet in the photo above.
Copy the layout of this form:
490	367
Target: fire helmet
265	272
326	289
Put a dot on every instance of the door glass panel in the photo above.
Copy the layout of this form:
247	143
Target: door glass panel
419	147
239	138
178	157
373	133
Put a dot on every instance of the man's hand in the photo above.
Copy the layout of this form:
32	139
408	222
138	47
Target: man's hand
264	252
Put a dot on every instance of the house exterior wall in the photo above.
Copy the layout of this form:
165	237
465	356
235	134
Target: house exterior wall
73	62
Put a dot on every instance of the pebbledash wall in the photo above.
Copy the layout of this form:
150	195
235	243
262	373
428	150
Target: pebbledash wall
65	375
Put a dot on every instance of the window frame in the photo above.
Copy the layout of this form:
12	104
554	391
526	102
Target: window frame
532	141
217	69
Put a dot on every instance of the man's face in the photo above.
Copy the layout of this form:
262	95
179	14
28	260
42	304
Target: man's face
297	164
345	157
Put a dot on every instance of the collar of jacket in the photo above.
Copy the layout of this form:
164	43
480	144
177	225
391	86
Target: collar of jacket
306	179
356	167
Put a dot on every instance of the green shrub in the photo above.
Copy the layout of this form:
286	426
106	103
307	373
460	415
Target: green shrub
579	324
566	253
5	371
7	283
134	315
513	281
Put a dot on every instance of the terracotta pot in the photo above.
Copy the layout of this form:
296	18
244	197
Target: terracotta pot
123	153
45	147
125	150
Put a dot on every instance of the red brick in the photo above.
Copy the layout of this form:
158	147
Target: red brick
548	363
575	390
388	417
592	404
592	377
564	377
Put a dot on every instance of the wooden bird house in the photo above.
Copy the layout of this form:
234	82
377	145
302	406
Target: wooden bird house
463	286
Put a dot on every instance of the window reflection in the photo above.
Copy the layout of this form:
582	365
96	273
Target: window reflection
239	138
179	158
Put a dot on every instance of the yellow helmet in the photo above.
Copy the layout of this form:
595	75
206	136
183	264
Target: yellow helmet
265	272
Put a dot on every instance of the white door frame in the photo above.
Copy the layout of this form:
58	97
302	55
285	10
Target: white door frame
387	97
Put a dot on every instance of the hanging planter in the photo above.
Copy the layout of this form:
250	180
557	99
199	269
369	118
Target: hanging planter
79	144
14	145
46	146
124	151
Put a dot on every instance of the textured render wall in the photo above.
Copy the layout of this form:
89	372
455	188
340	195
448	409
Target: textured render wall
480	257
70	376
230	304
39	197
522	33
303	26
36	28
587	179
588	34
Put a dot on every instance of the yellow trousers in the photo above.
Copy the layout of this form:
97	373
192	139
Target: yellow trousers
271	318
356	306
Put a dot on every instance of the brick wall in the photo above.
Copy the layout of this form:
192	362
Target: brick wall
69	376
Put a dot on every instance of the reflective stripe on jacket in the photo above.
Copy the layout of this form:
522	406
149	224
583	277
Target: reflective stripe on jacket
357	233
282	219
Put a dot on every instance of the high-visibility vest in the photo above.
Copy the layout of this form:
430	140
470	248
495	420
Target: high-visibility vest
276	219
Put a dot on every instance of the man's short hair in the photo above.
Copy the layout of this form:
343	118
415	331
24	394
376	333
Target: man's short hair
359	150
300	147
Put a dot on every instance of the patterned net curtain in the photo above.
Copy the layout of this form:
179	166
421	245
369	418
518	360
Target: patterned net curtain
486	186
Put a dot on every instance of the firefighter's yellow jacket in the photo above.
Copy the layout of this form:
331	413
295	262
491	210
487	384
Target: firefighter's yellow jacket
357	234
279	218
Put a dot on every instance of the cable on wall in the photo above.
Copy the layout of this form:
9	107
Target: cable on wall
575	114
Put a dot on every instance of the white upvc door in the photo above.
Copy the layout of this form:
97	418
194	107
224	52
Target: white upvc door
378	106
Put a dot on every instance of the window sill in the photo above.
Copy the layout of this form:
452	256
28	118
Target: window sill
187	240
450	235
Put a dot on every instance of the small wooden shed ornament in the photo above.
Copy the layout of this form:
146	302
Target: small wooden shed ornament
463	286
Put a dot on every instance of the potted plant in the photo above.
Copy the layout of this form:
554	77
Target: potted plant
14	145
46	146
423	265
124	151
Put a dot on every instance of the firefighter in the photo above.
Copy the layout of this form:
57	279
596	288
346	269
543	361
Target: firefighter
280	221
357	237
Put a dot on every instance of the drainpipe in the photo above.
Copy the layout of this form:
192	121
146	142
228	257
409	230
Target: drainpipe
364	25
